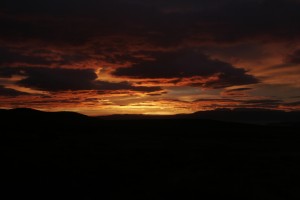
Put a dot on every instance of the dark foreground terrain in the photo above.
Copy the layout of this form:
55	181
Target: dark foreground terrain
71	156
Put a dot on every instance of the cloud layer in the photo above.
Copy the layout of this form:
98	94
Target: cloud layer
127	52
188	64
60	79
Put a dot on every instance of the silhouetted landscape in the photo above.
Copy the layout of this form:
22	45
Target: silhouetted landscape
235	154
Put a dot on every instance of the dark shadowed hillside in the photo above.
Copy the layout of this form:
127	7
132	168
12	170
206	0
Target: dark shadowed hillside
71	156
259	116
252	116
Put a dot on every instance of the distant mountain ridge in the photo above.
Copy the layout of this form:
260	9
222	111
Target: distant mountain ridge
242	115
30	111
255	116
261	116
26	115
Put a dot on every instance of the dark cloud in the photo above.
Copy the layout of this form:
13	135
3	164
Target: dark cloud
21	57
238	52
293	58
7	72
188	63
10	92
161	23
159	93
101	85
239	90
215	100
8	57
244	102
296	103
60	79
227	102
46	21
261	103
268	19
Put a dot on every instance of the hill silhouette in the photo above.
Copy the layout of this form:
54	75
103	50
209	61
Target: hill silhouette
67	155
254	116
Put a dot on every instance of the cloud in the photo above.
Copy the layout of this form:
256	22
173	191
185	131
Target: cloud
46	21
216	100
187	64
7	72
7	57
10	92
166	23
296	103
237	92
17	57
293	58
239	103
263	103
60	79
102	85
239	89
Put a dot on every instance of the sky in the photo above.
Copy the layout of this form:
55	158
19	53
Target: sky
149	56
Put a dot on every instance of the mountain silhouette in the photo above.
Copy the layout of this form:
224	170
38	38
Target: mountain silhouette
66	155
241	115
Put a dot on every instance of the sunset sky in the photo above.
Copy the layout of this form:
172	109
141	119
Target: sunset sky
149	56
